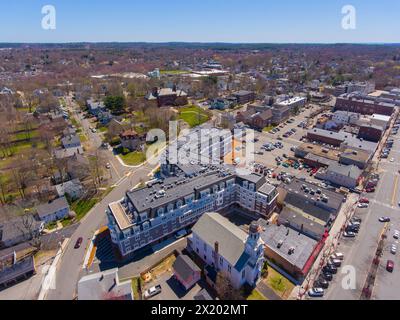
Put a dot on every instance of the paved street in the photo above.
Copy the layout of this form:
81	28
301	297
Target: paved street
359	252
72	260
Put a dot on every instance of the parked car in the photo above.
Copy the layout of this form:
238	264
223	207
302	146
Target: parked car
336	262
356	219
384	219
327	276
396	234
153	291
390	265
78	243
316	292
364	200
322	283
363	205
349	234
330	268
338	256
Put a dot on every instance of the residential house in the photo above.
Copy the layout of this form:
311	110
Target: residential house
14	270
19	230
226	248
71	141
341	175
186	271
104	286
72	188
54	210
95	107
131	140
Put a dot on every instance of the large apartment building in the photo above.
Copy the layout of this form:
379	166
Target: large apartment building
154	213
363	104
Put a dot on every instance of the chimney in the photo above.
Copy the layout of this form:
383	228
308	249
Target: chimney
216	250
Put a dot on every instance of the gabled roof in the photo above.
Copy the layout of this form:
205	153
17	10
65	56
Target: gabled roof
52	207
212	228
185	267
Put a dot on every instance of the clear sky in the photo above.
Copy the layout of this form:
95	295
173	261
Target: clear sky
266	21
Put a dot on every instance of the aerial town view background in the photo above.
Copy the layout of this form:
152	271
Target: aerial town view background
209	168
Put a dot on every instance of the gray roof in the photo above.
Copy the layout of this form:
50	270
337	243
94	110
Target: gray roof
52	207
292	219
21	226
348	171
203	295
18	269
70	139
212	228
104	286
185	267
303	245
335	199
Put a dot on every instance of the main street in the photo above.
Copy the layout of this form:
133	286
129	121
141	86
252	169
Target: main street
360	252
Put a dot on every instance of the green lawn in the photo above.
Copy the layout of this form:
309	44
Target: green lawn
83	206
269	128
256	295
281	285
135	288
193	115
133	158
173	72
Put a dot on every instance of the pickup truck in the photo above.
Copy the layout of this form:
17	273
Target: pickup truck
153	291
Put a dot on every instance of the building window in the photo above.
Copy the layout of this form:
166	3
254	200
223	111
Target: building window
205	247
243	274
221	261
229	269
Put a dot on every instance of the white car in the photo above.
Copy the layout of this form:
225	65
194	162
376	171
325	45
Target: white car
393	249
396	234
363	205
392	160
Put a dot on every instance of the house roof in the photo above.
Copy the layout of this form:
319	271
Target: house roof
212	228
203	295
185	267
70	139
351	171
104	286
17	227
51	207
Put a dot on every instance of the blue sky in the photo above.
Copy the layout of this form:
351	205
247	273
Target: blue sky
267	21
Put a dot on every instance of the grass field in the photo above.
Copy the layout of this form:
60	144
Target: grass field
83	206
282	286
193	115
133	158
256	295
173	72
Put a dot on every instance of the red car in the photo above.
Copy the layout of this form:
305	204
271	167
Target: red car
364	200
370	190
78	243
390	266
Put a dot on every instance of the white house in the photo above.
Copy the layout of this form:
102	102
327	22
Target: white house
344	117
228	249
55	210
104	286
72	188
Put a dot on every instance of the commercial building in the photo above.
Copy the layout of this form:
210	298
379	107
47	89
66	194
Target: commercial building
226	248
244	96
292	251
293	103
344	117
363	105
153	213
168	97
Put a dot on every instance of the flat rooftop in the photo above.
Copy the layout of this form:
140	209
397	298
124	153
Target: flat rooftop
281	239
